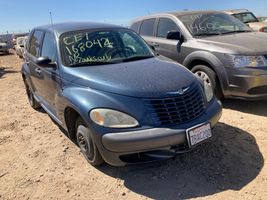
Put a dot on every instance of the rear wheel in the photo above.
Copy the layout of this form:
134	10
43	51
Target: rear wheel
209	77
33	102
87	144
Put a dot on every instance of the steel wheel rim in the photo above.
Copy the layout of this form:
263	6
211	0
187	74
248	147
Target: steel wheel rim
83	143
204	77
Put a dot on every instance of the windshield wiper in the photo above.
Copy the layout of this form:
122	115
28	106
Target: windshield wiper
206	34
89	64
237	31
136	58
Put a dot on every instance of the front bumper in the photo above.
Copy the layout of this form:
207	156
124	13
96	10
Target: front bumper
247	83
113	146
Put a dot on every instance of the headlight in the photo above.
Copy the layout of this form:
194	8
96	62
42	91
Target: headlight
112	118
208	91
247	61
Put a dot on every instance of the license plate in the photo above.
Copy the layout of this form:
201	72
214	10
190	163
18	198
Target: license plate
198	134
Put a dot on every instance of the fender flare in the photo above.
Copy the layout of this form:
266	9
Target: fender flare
212	60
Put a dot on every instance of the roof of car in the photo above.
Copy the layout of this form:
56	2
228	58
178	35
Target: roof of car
181	13
60	28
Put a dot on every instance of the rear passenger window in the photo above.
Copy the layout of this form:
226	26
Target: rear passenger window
147	27
49	47
135	26
35	43
166	25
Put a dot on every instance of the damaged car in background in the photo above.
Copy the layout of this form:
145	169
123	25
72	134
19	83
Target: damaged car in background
249	18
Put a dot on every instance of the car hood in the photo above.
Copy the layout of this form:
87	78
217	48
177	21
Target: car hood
3	44
148	78
240	43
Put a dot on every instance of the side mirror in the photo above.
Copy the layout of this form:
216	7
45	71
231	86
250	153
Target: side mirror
45	62
174	35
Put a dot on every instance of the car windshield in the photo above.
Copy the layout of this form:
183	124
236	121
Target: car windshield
212	24
84	48
247	17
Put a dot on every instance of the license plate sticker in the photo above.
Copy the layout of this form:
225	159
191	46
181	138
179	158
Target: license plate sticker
198	134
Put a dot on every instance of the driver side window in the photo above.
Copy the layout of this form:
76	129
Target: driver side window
49	47
165	25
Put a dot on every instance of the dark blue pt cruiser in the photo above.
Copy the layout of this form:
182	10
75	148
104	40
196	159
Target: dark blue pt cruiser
119	101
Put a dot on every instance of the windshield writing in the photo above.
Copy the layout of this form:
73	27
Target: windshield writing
212	24
101	47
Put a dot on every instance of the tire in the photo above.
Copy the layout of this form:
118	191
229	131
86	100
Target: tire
86	143
33	102
210	77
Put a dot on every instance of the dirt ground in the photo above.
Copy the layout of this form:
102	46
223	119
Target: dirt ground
37	161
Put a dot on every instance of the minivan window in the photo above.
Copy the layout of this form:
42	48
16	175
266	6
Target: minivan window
49	47
212	24
147	27
135	26
35	43
84	48
165	25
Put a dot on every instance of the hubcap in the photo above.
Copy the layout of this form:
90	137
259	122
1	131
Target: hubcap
204	77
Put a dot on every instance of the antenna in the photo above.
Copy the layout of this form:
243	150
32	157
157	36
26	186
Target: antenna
51	20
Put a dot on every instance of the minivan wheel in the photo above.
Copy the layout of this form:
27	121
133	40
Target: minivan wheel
87	144
33	102
209	77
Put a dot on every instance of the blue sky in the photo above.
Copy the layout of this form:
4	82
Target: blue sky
22	15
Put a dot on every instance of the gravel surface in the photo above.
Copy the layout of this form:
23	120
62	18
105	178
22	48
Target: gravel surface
37	160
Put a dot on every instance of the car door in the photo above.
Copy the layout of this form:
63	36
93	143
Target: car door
164	46
33	52
50	83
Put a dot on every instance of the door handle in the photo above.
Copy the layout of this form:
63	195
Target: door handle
155	44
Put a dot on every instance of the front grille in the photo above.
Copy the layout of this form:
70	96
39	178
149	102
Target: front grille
177	110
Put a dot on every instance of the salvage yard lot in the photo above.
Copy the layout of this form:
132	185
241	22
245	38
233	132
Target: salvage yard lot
37	161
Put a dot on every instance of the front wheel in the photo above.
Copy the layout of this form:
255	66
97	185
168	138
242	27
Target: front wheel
87	144
209	77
